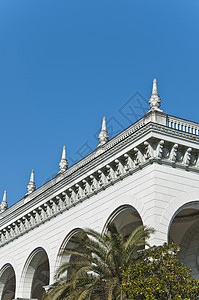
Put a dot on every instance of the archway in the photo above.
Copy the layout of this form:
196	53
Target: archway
36	274
184	231
126	218
7	283
66	245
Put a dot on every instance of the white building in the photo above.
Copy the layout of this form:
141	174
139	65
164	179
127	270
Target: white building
148	174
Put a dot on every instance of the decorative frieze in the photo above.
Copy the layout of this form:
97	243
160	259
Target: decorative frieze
149	151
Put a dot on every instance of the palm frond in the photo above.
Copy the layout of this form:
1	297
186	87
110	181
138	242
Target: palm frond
96	273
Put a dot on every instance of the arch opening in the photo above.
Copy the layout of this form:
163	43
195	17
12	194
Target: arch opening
7	283
184	231
126	218
67	245
36	274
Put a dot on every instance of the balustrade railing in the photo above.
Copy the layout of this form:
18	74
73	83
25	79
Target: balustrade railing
183	125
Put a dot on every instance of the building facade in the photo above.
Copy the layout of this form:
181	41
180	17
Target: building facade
148	174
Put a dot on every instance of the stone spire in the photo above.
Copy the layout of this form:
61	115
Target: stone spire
31	186
4	204
63	165
103	136
155	100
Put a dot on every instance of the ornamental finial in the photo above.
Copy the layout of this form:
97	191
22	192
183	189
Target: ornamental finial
63	165
31	186
4	204
155	100
103	136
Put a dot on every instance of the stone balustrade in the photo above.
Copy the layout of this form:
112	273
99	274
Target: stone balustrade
183	125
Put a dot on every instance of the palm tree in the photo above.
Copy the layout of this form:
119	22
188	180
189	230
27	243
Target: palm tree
97	274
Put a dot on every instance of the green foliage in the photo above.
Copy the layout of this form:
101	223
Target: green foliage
159	276
97	273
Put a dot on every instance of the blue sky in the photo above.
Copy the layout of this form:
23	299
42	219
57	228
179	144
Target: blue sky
66	63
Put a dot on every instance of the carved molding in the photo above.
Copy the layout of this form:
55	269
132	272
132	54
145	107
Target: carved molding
147	152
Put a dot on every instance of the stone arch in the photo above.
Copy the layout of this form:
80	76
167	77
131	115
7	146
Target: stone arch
7	282
64	245
121	203
36	274
72	228
176	204
189	205
126	218
183	229
189	249
67	244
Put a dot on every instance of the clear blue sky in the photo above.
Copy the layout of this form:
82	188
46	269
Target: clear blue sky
66	63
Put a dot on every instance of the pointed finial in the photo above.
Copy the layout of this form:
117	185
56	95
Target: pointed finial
31	186
103	136
104	123
63	165
155	100
4	204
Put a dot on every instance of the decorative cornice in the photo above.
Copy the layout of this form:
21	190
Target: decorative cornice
75	171
142	143
70	192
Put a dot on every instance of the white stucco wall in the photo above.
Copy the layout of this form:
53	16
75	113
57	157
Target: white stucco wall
156	192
